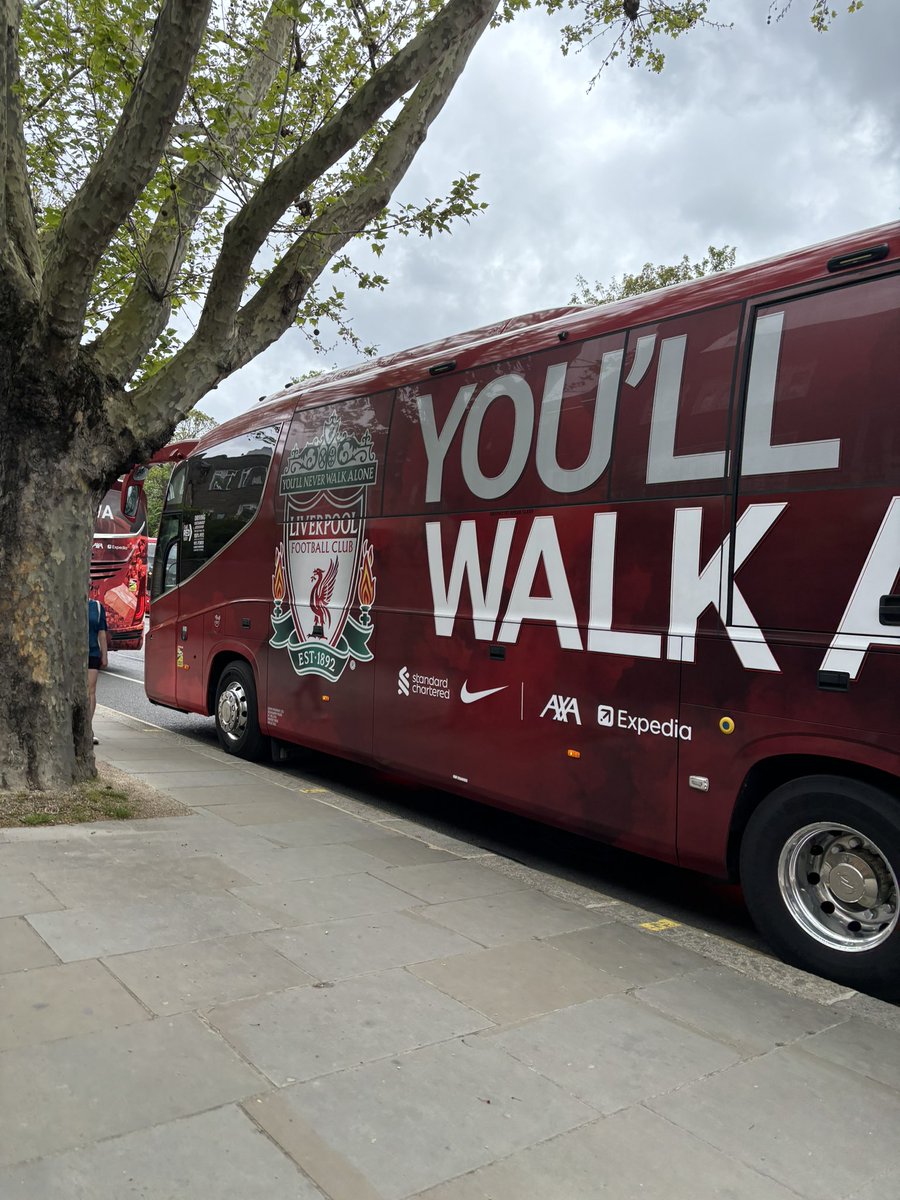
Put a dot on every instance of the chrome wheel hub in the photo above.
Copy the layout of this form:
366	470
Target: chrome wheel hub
839	887
231	711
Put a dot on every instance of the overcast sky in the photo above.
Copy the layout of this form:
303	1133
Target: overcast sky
764	137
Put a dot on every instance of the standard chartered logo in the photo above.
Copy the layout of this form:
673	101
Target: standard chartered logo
412	683
621	718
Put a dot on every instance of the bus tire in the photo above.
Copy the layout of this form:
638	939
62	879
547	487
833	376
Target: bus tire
237	712
820	865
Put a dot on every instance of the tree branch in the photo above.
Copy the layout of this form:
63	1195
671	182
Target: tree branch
20	254
145	312
120	174
247	231
199	366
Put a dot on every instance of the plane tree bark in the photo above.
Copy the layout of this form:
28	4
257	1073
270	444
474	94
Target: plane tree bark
73	415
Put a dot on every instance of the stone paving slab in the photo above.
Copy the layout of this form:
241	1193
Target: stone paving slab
263	810
360	945
311	901
634	955
334	826
859	1046
303	1033
131	881
438	883
217	1155
20	947
416	1120
80	1089
511	917
881	1188
211	778
747	1014
140	762
225	795
401	851
21	893
198	975
513	982
614	1051
263	862
813	1126
103	930
633	1155
62	1001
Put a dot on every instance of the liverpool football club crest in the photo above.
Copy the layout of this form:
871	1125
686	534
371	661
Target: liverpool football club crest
323	587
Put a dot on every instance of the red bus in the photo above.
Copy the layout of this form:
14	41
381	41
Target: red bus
119	562
631	570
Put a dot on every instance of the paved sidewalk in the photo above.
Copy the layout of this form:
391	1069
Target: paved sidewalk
288	994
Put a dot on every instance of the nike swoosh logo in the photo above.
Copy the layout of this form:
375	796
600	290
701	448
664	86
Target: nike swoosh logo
468	697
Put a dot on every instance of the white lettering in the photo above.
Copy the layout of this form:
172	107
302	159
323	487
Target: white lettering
489	487
759	456
562	707
466	563
602	638
663	464
542	546
437	444
860	625
694	590
575	479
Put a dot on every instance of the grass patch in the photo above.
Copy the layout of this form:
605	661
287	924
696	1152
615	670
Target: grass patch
113	796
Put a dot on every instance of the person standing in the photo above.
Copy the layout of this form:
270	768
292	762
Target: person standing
97	651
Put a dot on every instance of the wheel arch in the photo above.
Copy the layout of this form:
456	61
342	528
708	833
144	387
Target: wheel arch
222	659
764	776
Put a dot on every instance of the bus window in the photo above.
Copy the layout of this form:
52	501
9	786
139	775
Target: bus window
165	576
222	490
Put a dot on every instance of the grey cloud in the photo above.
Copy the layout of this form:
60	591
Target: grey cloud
765	137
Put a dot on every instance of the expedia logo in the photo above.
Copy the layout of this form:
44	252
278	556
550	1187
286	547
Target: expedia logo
621	718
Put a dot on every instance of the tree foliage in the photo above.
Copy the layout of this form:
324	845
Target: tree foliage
650	277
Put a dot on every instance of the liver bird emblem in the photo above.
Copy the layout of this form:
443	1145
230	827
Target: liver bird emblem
320	596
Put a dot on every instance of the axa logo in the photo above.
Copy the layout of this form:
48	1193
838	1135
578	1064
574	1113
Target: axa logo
561	708
403	682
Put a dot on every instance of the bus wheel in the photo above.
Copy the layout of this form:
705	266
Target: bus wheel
237	714
820	864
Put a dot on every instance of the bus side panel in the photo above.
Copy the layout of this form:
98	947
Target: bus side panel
326	569
820	474
775	715
575	726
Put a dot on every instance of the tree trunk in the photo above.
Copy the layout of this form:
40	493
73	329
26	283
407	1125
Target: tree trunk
49	477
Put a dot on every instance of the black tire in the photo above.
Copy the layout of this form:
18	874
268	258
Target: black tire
237	712
789	898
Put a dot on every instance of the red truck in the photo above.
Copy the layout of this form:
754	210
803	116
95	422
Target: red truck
631	570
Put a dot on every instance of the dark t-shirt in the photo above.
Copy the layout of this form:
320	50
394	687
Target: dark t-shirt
96	622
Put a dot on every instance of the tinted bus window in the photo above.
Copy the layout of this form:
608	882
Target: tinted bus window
222	491
821	408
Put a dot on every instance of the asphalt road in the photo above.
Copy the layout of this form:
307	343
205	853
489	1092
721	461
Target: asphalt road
679	895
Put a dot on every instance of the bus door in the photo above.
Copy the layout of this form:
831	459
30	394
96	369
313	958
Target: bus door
324	568
161	664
